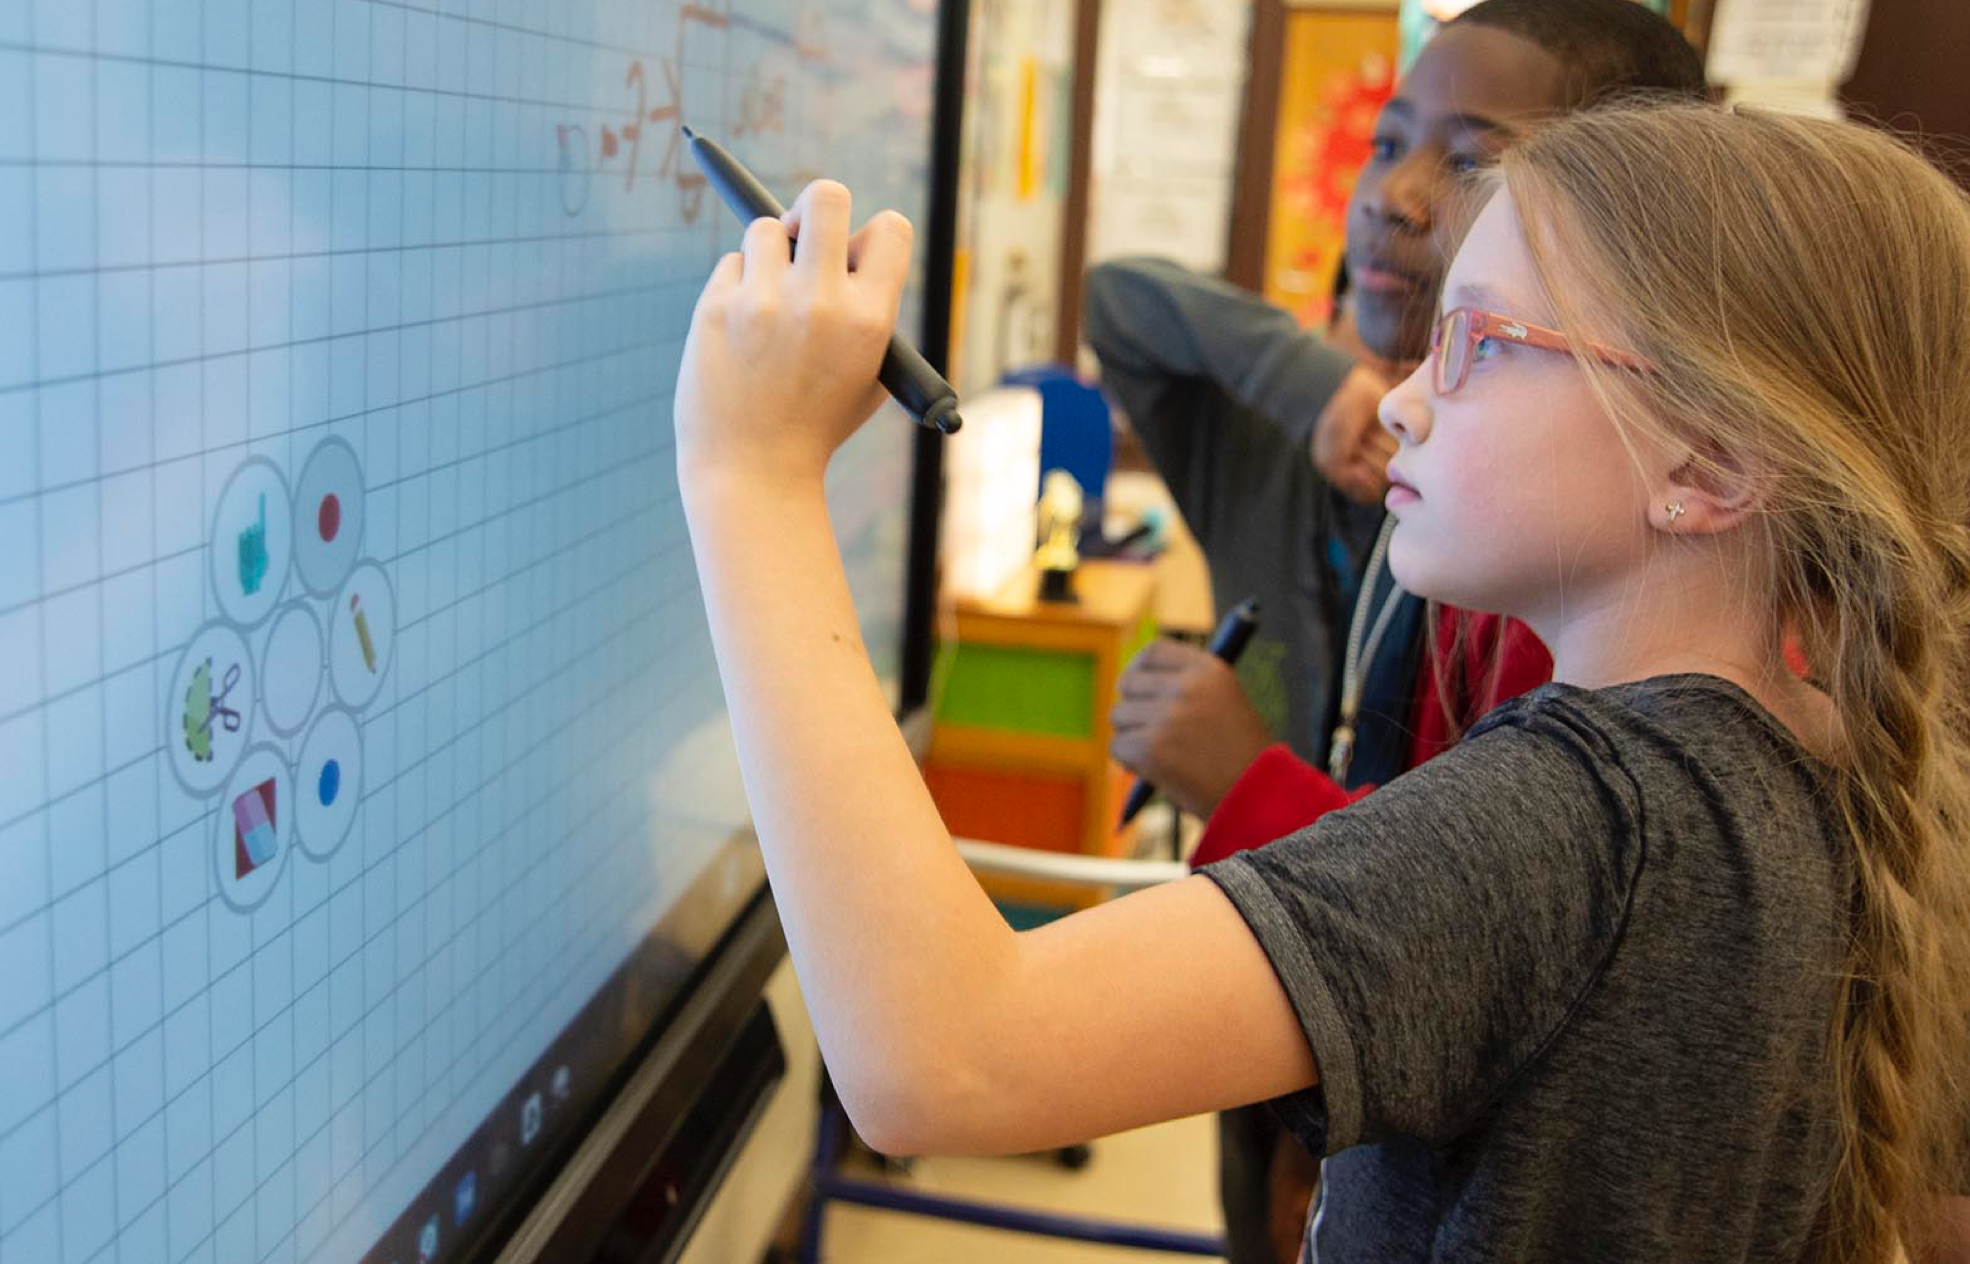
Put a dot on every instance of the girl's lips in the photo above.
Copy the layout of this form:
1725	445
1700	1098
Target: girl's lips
1400	491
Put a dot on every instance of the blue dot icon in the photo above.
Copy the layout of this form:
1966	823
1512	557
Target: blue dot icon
331	782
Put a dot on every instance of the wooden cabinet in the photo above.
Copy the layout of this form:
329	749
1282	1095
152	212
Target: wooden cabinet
1019	751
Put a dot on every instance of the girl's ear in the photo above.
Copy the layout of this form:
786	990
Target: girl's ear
1705	494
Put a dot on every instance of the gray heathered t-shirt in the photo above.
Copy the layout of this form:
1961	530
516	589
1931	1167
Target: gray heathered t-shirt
1568	986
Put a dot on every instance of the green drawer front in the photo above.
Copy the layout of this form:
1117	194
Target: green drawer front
1018	690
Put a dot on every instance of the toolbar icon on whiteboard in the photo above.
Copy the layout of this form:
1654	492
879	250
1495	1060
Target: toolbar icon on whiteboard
253	829
209	707
363	638
530	1119
329	777
328	516
251	544
362	635
465	1197
253	560
254	841
291	659
205	706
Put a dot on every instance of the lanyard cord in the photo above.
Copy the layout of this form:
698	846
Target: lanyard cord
1360	653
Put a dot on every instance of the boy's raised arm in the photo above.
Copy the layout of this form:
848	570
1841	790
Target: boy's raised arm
1151	319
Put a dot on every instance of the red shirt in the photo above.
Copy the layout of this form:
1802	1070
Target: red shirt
1497	659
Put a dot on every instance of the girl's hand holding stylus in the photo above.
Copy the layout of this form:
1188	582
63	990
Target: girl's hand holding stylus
780	365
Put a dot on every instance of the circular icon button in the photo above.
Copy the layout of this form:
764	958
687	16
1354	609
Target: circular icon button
328	516
362	634
328	783
208	712
254	829
291	668
252	543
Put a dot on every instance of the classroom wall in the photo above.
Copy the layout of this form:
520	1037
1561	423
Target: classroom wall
1338	69
1910	73
1169	84
1013	188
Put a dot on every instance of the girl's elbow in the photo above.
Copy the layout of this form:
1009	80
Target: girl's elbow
920	1109
883	1128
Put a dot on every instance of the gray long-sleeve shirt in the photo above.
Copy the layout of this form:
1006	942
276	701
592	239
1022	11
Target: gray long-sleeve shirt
1223	389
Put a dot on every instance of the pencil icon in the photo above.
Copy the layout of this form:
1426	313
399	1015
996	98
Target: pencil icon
362	632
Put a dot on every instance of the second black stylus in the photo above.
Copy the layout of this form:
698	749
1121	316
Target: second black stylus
905	374
1228	642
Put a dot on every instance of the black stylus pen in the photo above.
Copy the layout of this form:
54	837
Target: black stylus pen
904	373
1228	642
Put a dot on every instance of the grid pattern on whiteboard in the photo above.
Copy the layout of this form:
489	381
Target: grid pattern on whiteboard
357	713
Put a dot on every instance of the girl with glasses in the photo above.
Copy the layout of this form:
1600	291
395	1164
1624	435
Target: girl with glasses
1663	961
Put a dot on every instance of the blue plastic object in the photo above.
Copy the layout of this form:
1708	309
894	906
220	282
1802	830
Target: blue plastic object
1075	433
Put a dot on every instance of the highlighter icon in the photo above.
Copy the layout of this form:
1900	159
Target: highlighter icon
362	633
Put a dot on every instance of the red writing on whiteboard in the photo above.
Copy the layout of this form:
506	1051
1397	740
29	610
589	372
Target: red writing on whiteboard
618	142
654	98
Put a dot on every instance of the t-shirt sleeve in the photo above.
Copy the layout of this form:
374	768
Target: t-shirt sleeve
1435	936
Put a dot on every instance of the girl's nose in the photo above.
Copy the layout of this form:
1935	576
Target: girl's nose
1405	411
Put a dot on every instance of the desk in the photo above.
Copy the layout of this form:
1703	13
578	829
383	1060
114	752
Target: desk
1183	585
1183	579
1019	751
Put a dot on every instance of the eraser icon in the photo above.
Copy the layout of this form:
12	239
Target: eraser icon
254	840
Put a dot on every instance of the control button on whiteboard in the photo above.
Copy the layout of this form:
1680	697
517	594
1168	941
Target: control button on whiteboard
291	672
328	783
328	516
208	709
253	830
252	543
362	634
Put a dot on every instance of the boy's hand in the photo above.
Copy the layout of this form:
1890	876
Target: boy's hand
1350	448
780	365
1183	722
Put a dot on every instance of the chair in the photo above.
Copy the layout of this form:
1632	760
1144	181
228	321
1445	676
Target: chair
1076	433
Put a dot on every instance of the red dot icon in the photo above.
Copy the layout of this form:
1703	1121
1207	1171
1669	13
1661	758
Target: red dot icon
329	519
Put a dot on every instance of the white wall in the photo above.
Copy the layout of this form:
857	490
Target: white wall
1013	186
1169	84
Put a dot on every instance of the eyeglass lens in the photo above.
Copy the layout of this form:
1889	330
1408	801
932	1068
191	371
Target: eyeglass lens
1453	351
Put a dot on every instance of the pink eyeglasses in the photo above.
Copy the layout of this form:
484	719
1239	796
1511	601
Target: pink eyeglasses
1459	331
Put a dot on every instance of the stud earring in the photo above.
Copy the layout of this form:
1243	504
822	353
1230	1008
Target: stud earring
1675	510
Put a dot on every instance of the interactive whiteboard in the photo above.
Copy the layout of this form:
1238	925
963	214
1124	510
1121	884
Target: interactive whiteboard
358	721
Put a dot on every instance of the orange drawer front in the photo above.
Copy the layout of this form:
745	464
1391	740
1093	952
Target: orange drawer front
1023	808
